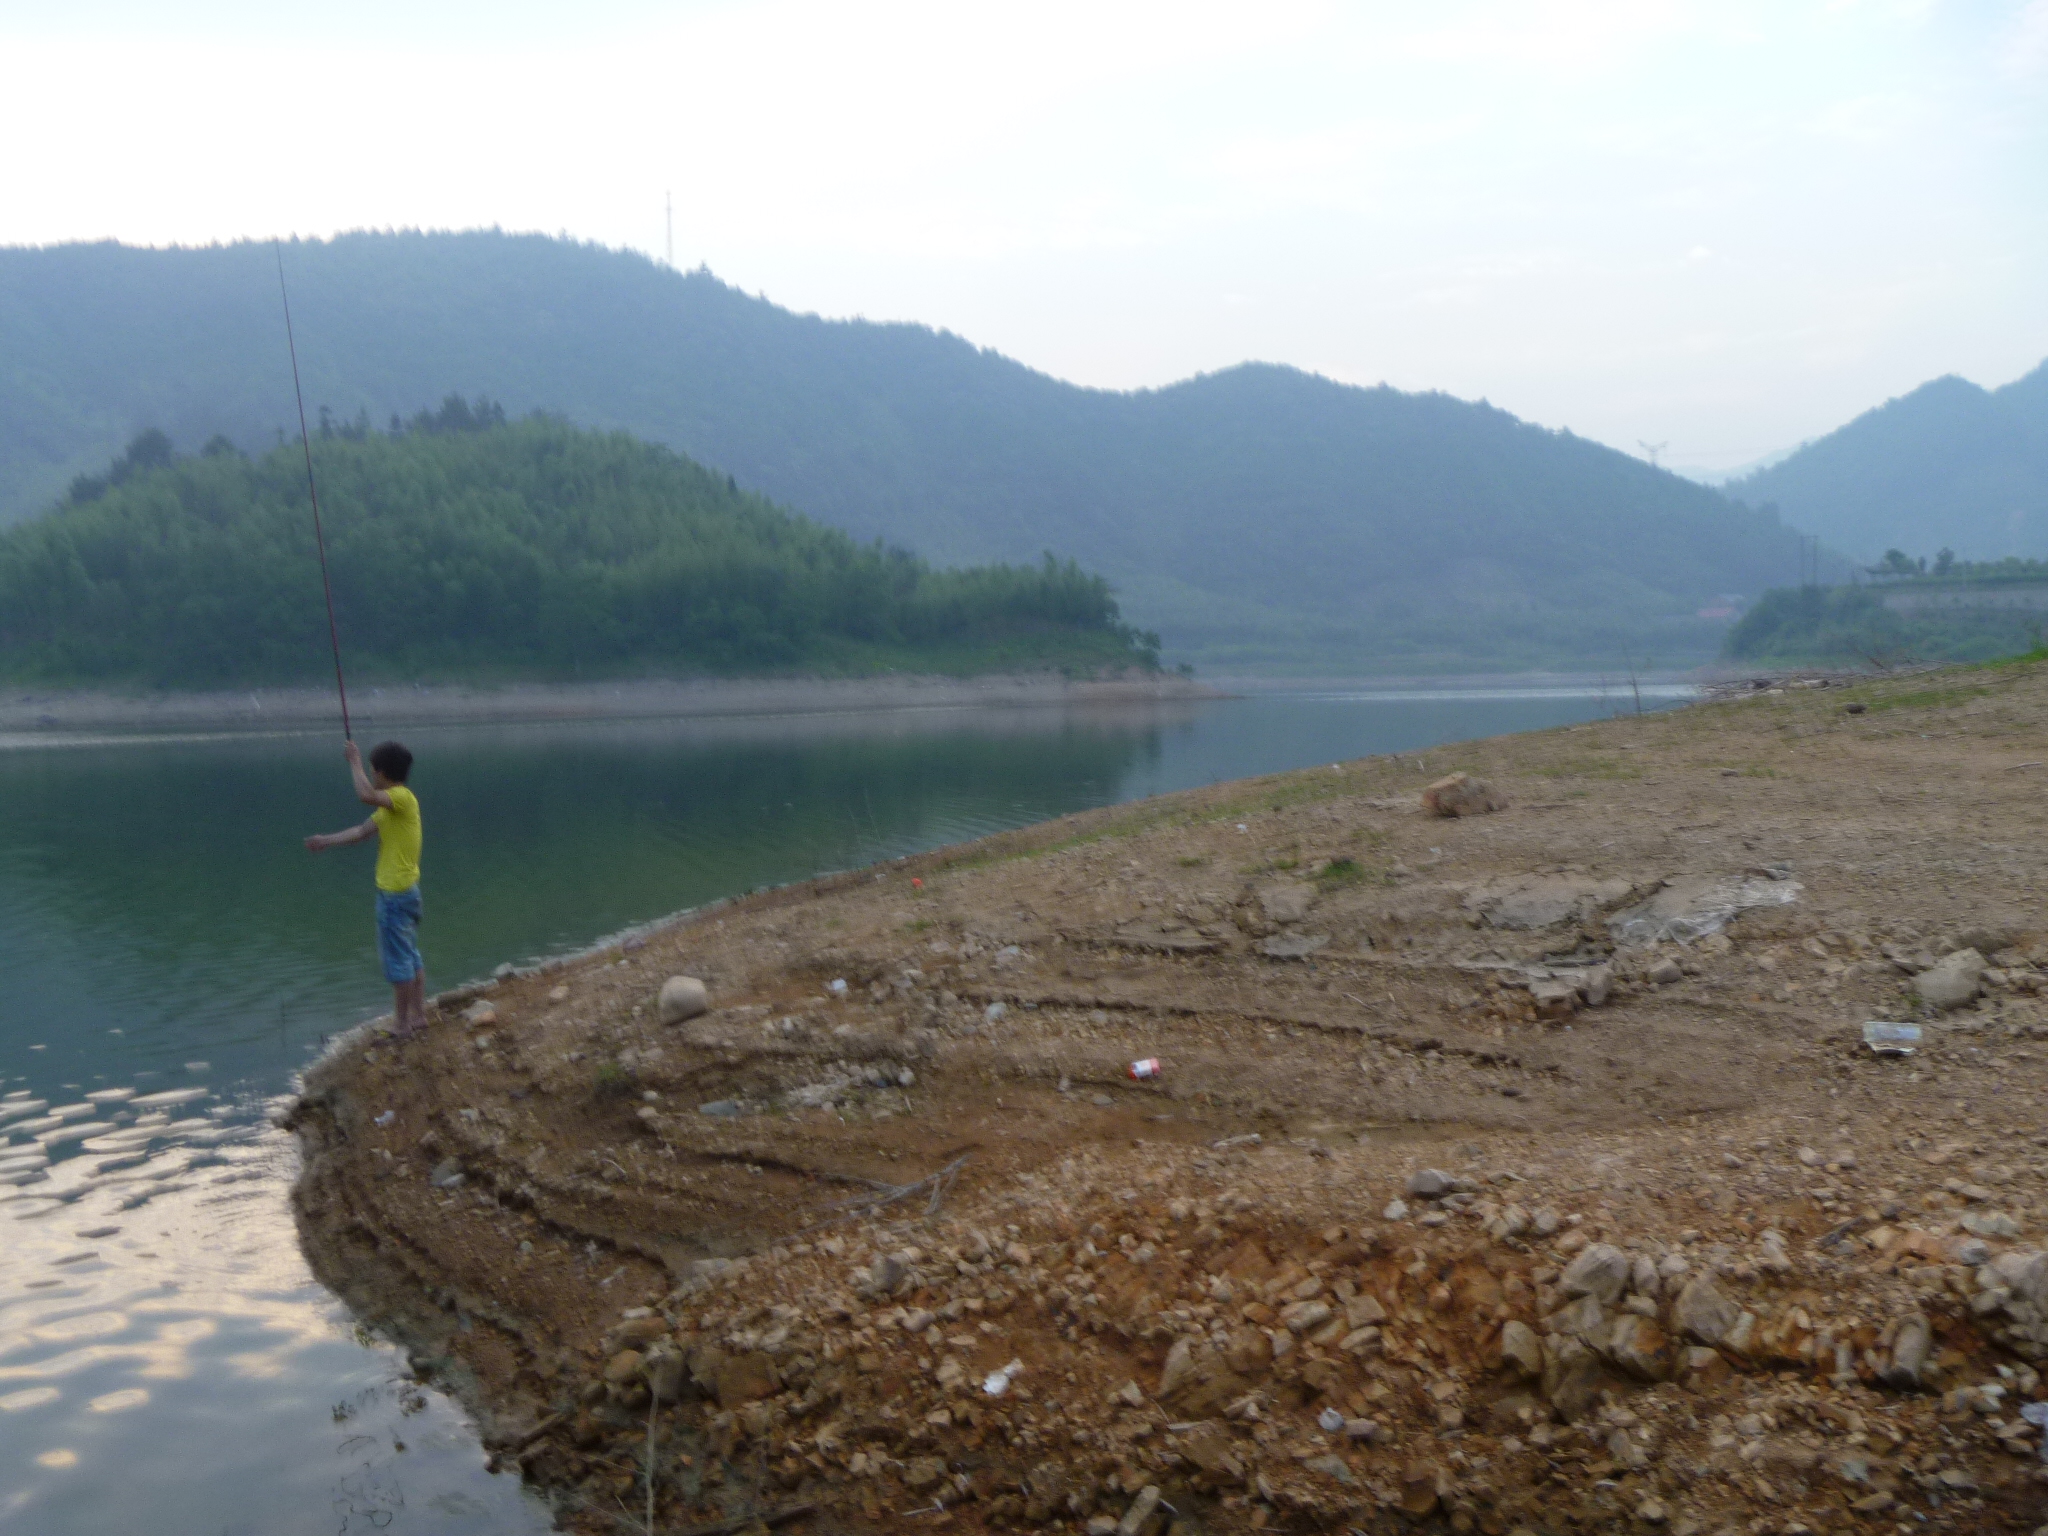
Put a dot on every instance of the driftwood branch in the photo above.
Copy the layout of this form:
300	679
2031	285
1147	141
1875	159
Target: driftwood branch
536	1432
939	1184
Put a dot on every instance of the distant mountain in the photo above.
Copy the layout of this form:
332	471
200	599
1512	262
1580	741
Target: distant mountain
1949	465
1260	517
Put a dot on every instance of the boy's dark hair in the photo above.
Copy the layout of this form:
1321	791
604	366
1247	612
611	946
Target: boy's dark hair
391	759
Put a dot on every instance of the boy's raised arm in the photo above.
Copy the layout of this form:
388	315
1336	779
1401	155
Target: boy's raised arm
366	792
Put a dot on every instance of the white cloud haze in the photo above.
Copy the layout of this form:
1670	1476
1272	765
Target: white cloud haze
1722	226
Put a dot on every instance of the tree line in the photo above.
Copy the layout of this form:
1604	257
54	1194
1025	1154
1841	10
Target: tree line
465	545
1851	626
1897	565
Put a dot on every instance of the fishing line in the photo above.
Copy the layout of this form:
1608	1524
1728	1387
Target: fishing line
313	491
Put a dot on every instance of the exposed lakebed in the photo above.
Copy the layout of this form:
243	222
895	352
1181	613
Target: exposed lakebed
173	959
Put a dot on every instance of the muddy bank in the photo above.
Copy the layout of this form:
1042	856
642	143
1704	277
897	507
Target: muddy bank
27	712
1524	1170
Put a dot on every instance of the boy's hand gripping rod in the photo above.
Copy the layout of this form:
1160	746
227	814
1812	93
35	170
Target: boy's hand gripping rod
319	539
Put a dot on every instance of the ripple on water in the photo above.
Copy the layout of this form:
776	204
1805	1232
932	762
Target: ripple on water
167	1322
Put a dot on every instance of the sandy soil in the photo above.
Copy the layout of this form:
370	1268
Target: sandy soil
29	714
1466	1198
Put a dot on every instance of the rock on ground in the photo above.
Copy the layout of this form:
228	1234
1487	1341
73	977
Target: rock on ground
1462	795
682	997
1953	981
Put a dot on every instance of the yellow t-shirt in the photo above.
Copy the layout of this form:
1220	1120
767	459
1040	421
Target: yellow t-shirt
398	840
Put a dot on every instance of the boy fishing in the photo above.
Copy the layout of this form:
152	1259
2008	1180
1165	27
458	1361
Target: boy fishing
395	823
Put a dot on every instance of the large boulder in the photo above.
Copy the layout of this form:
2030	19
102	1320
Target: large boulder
1286	901
1639	1347
1462	795
1364	1310
1198	1381
1600	1271
1431	1183
1954	980
2025	1274
1911	1344
1702	1312
1521	1351
1989	937
682	997
1209	1446
1571	1377
1581	1318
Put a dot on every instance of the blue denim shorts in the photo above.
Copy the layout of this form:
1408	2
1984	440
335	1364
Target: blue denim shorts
398	944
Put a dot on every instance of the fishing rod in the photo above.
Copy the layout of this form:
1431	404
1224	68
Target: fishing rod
313	491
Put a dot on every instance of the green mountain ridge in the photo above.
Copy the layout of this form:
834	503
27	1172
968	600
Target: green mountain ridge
1948	464
1259	517
465	548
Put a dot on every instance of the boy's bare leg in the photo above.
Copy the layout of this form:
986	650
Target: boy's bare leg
409	1005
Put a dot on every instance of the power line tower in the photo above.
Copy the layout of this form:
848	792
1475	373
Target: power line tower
1651	450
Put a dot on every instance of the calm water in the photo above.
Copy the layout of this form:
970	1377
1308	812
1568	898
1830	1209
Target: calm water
172	957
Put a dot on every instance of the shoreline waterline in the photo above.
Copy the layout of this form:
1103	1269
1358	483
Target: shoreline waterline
135	973
28	716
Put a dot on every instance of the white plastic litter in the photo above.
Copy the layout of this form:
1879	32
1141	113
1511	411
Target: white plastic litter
837	986
997	1382
386	1118
1891	1039
1691	907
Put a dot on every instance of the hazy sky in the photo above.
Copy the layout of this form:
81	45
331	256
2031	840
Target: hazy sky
1727	226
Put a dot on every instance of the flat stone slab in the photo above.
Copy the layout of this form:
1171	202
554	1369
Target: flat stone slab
1543	901
1286	901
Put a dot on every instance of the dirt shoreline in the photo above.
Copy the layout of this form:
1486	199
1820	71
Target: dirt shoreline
1467	1198
27	712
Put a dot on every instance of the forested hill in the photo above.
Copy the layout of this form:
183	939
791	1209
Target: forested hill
1259	516
1949	464
466	548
